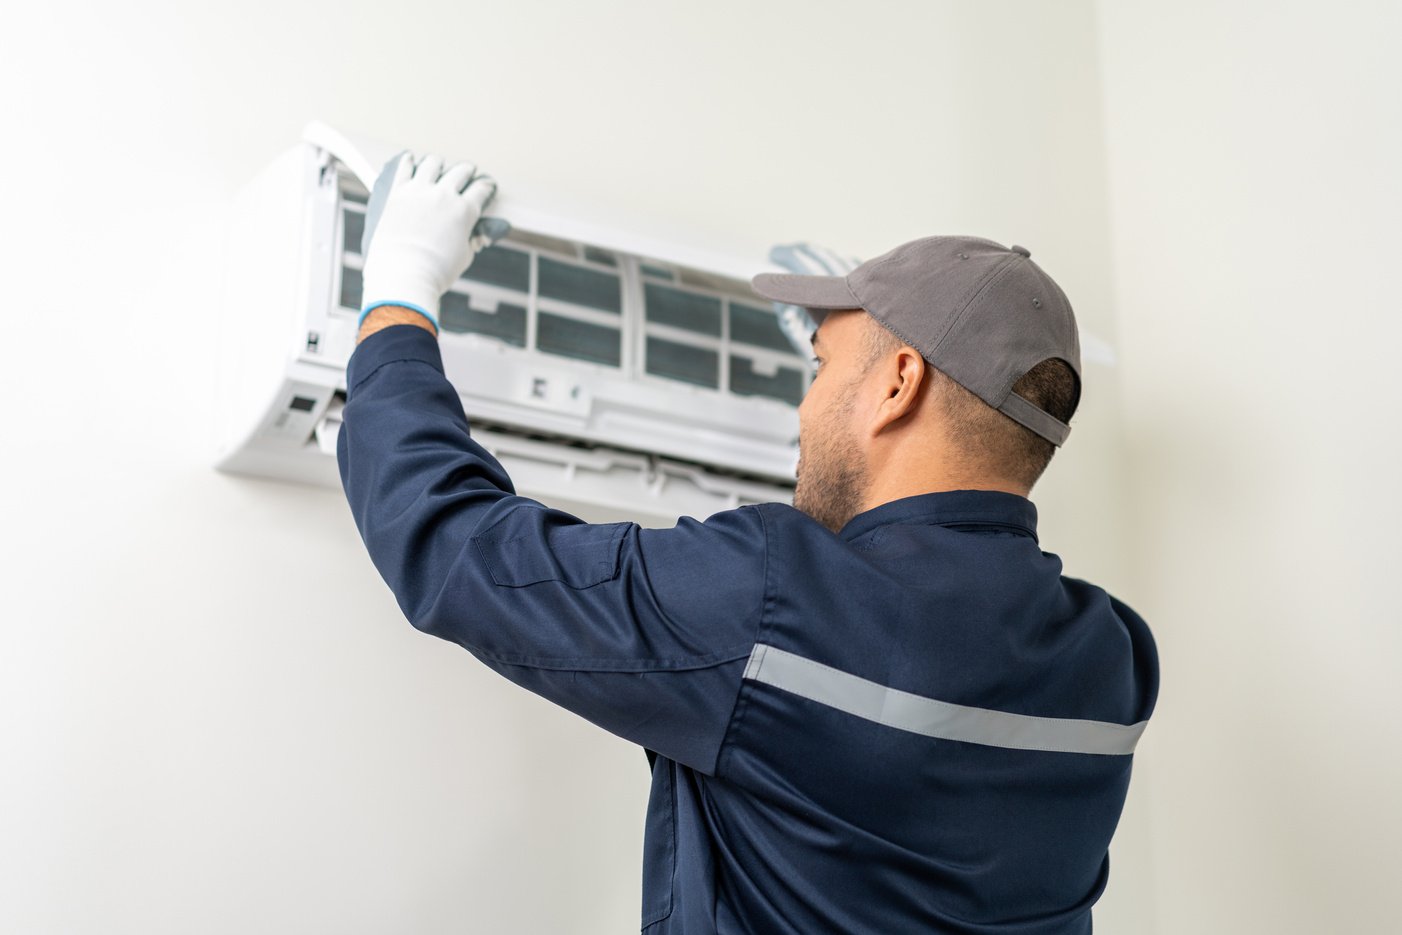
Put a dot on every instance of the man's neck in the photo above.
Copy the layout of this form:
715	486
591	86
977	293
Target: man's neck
894	485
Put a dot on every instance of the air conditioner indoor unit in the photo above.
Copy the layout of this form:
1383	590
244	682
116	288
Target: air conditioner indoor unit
614	375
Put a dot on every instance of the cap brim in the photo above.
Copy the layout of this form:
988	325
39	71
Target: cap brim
825	292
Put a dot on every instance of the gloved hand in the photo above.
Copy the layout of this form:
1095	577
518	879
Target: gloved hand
426	229
812	260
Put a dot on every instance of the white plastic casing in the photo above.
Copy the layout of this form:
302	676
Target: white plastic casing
682	416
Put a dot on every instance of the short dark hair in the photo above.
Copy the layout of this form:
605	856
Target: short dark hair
988	440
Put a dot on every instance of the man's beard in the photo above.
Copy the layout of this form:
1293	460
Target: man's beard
832	481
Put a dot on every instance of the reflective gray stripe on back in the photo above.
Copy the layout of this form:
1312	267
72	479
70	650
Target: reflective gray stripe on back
921	715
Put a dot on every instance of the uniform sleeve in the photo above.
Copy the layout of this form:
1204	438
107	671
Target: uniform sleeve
644	632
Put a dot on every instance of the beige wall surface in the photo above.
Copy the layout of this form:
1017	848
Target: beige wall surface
1255	155
215	718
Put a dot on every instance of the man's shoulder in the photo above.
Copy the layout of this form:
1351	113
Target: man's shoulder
1119	618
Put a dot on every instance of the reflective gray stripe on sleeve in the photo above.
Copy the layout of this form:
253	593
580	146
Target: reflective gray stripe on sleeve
921	715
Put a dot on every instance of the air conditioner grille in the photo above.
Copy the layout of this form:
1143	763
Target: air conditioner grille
647	317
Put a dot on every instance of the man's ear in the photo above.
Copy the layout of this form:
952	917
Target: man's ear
900	378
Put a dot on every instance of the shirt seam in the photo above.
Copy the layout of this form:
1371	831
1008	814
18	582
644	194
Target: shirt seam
605	664
671	768
385	363
742	697
983	517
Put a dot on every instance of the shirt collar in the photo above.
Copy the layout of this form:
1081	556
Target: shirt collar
949	508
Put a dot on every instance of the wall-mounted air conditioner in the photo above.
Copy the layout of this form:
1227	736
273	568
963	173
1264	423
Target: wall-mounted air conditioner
614	375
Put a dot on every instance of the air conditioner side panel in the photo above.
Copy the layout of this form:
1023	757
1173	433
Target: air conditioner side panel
262	303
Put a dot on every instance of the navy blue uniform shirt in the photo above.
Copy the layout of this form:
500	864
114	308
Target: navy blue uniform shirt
916	725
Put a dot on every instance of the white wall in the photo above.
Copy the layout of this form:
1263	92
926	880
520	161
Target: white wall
1255	155
214	718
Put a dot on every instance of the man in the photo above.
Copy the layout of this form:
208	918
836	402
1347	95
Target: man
883	709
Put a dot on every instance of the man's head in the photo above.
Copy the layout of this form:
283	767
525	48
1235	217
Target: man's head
947	362
880	422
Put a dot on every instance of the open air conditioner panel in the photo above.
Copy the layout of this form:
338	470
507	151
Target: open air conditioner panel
606	371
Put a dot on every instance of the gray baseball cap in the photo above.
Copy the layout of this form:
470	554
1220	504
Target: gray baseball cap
982	313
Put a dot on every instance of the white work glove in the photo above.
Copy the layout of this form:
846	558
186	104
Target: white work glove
811	260
426	233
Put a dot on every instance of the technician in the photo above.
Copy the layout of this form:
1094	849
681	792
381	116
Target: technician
882	709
